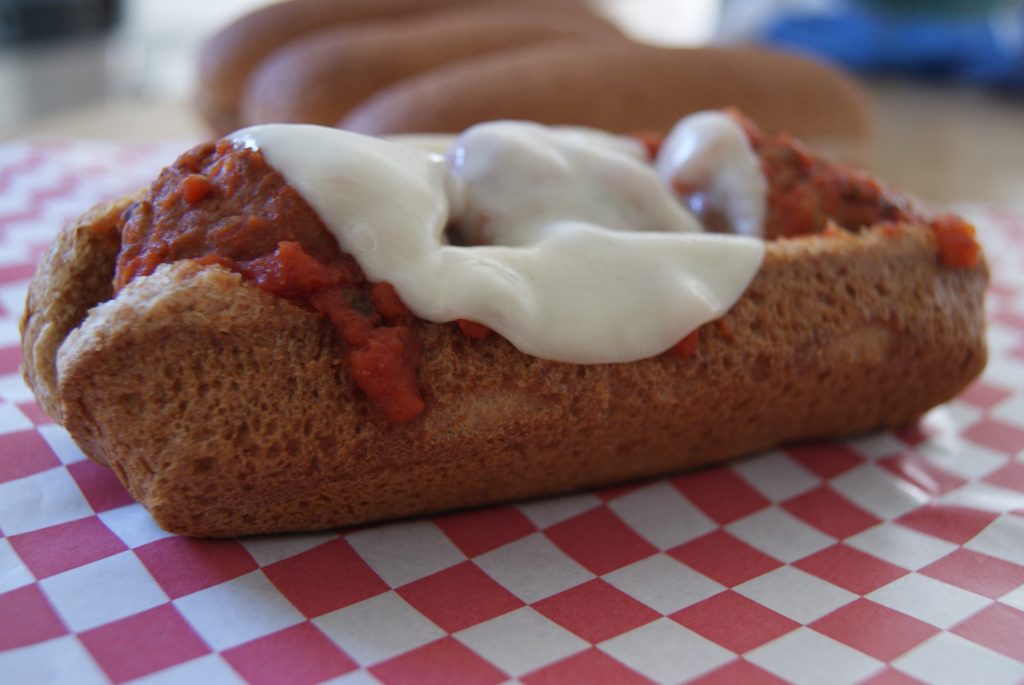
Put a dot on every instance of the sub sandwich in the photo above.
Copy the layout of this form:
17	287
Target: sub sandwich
300	328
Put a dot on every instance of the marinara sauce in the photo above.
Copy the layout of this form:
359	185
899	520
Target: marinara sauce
222	204
807	194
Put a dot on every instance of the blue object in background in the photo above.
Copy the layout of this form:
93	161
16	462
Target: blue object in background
37	21
982	47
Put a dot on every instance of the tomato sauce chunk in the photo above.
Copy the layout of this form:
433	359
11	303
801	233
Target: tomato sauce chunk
688	346
958	247
224	205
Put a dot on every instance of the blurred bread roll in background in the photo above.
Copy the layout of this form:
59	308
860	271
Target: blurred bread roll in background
318	80
231	55
624	87
434	66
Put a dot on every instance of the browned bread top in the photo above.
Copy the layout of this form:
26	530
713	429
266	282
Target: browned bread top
230	56
622	87
318	79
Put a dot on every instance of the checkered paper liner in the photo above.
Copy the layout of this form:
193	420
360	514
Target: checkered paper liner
895	557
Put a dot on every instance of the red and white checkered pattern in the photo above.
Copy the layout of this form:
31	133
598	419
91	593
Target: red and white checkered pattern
891	558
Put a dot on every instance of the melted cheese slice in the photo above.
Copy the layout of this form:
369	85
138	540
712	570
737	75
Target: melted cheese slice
570	245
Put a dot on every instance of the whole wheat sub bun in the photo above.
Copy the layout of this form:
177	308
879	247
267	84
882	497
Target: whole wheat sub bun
623	87
222	409
317	80
229	56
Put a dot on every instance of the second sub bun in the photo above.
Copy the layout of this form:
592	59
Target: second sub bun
229	56
319	79
623	87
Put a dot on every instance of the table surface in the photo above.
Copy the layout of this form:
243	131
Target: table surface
891	557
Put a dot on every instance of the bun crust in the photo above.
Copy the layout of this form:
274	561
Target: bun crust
230	56
436	66
640	89
79	272
222	408
319	79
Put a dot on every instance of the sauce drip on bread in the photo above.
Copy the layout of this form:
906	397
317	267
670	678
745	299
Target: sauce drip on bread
808	193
